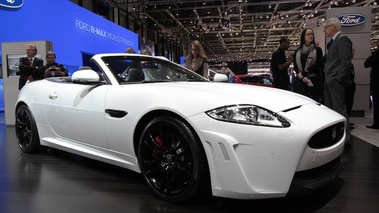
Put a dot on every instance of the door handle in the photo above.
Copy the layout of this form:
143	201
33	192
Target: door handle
116	113
53	95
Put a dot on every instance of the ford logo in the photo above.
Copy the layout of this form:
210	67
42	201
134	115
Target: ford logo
352	19
11	4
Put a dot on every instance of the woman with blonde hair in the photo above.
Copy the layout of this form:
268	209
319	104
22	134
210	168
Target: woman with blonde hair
196	59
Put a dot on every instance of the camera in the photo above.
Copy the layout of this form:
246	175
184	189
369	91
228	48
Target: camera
52	69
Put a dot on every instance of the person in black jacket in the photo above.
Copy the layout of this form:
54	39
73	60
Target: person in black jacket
308	63
52	69
30	66
373	62
280	64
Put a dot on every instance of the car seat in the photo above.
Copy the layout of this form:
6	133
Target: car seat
134	75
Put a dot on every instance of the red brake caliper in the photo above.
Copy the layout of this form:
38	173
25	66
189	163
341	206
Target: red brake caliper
159	141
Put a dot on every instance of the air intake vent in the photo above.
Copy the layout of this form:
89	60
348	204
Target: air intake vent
327	137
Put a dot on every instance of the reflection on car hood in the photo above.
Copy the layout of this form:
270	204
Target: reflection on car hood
210	94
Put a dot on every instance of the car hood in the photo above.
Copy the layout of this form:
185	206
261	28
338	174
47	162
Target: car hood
208	95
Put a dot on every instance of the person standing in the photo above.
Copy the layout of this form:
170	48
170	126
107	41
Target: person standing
30	66
307	64
146	52
373	62
196	59
52	69
351	88
130	50
337	69
280	64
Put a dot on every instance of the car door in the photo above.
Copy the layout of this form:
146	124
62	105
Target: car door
76	112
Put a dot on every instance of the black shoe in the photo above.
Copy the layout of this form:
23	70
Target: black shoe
373	127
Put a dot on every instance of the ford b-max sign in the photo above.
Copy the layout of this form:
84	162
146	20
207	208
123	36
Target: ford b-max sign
351	19
11	4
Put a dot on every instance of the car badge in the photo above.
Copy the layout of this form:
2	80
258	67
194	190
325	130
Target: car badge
351	19
11	4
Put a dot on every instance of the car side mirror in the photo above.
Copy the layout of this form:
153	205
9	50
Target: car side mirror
85	76
220	77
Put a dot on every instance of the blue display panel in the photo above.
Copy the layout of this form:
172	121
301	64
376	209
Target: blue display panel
71	28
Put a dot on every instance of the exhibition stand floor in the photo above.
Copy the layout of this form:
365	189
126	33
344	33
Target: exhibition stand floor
57	181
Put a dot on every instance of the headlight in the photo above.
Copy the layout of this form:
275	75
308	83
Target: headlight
248	114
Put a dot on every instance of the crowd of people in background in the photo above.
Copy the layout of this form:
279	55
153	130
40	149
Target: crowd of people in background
326	78
32	68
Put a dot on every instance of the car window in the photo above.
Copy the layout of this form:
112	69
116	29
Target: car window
267	81
148	69
252	79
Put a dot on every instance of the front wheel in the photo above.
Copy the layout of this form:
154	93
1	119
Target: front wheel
26	131
172	160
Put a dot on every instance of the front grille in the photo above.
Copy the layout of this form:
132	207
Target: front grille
327	137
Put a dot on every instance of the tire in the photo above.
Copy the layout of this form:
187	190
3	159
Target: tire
172	160
26	131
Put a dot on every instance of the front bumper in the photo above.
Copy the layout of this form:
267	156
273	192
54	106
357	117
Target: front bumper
305	182
253	162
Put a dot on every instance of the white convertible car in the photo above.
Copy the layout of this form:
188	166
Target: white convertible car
184	134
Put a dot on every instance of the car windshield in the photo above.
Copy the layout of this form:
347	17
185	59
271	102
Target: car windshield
142	69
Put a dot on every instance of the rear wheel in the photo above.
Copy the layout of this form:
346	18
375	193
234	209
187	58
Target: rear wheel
26	131
172	160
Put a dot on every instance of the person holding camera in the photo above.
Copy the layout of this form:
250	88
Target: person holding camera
53	69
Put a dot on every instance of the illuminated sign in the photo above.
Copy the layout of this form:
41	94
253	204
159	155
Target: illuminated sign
102	33
74	32
12	4
352	19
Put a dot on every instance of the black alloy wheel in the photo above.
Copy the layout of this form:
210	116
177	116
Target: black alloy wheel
173	161
26	131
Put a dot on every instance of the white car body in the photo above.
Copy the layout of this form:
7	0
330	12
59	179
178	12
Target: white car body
244	161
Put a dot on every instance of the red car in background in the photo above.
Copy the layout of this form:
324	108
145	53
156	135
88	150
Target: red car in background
258	80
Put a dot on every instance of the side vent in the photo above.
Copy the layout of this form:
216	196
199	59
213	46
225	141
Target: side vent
224	152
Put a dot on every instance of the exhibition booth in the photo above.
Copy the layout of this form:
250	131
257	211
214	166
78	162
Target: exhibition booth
75	34
72	32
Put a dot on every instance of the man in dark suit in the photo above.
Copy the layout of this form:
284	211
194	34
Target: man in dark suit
30	66
337	68
373	62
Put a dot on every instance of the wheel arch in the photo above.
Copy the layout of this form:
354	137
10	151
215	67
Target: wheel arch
206	190
20	103
150	116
